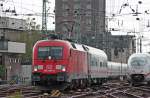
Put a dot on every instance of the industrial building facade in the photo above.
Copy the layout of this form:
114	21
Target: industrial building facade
84	21
10	48
121	47
81	20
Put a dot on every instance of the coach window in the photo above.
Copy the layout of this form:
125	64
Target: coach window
106	64
92	63
98	64
101	64
95	63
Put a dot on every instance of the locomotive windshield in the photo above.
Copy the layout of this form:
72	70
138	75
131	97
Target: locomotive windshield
53	52
138	61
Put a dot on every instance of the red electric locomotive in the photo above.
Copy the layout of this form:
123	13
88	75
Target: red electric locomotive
59	61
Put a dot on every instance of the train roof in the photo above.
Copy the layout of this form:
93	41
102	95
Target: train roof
96	51
44	41
77	46
62	41
140	55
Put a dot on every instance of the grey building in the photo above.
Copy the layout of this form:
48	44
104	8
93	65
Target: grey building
10	49
84	22
120	47
81	20
10	28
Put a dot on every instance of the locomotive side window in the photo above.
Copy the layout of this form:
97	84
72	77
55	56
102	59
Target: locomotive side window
73	45
53	52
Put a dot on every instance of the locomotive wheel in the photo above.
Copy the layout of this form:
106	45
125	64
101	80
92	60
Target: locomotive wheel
132	84
82	84
34	83
100	82
72	85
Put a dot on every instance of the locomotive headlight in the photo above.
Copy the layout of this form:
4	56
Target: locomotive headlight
38	67
60	67
35	68
63	68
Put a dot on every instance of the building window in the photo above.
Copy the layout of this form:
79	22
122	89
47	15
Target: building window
65	14
64	0
3	45
65	6
76	0
18	60
88	6
64	28
76	6
88	21
0	60
88	13
89	1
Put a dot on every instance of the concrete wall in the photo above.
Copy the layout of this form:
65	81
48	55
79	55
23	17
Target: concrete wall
15	47
81	20
12	47
12	23
26	73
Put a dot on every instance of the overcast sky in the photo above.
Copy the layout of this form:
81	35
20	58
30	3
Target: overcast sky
125	18
125	21
27	7
113	7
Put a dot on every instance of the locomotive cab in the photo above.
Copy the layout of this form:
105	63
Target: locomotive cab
49	62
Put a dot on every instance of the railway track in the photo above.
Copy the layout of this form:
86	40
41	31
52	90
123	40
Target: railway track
108	90
19	91
114	90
